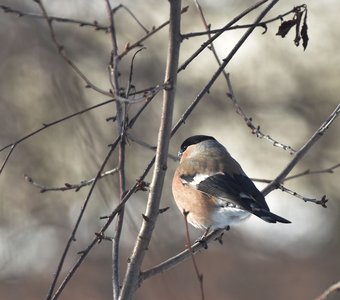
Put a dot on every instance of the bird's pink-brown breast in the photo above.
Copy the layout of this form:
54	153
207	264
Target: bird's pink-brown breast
199	205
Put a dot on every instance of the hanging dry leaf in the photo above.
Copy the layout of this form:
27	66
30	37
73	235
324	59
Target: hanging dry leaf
285	27
304	32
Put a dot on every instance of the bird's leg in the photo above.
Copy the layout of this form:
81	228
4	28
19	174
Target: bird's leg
219	238
202	239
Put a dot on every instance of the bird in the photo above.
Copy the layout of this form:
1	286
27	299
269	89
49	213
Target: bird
211	189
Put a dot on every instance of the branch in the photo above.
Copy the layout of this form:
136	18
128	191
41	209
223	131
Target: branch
332	289
152	210
173	261
321	201
198	274
301	153
148	146
255	129
61	51
210	40
67	186
45	126
120	118
138	43
309	172
180	257
231	94
95	24
136	186
261	24
72	237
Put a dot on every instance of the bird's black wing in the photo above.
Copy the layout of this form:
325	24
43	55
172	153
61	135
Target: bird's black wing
236	188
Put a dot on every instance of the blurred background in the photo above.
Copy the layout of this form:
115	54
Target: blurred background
287	91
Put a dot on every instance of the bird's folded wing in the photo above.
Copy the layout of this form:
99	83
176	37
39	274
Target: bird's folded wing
237	188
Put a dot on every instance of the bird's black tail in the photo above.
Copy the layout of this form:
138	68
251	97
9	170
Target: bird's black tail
269	217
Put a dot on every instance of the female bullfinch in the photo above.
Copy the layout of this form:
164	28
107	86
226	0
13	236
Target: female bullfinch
211	186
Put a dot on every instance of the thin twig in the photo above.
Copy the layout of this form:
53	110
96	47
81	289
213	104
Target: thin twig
261	24
76	226
148	146
81	23
231	94
108	222
301	153
309	172
154	30
62	53
68	186
131	14
198	274
332	289
120	121
304	173
47	125
98	236
215	36
321	201
255	129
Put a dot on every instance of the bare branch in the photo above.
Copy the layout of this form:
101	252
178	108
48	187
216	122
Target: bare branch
68	186
180	257
309	172
152	210
321	201
45	126
120	118
304	173
147	146
301	153
231	94
76	226
154	30
210	40
261	24
216	234
62	53
131	14
332	289
198	274
255	129
94	24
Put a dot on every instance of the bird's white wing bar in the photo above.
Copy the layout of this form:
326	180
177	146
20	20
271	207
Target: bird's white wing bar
195	180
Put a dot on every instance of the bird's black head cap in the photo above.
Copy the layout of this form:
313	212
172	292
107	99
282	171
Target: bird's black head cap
195	139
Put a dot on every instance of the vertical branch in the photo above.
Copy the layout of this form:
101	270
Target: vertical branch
133	271
189	246
120	117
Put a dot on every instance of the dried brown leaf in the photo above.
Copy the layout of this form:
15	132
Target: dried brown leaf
285	27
